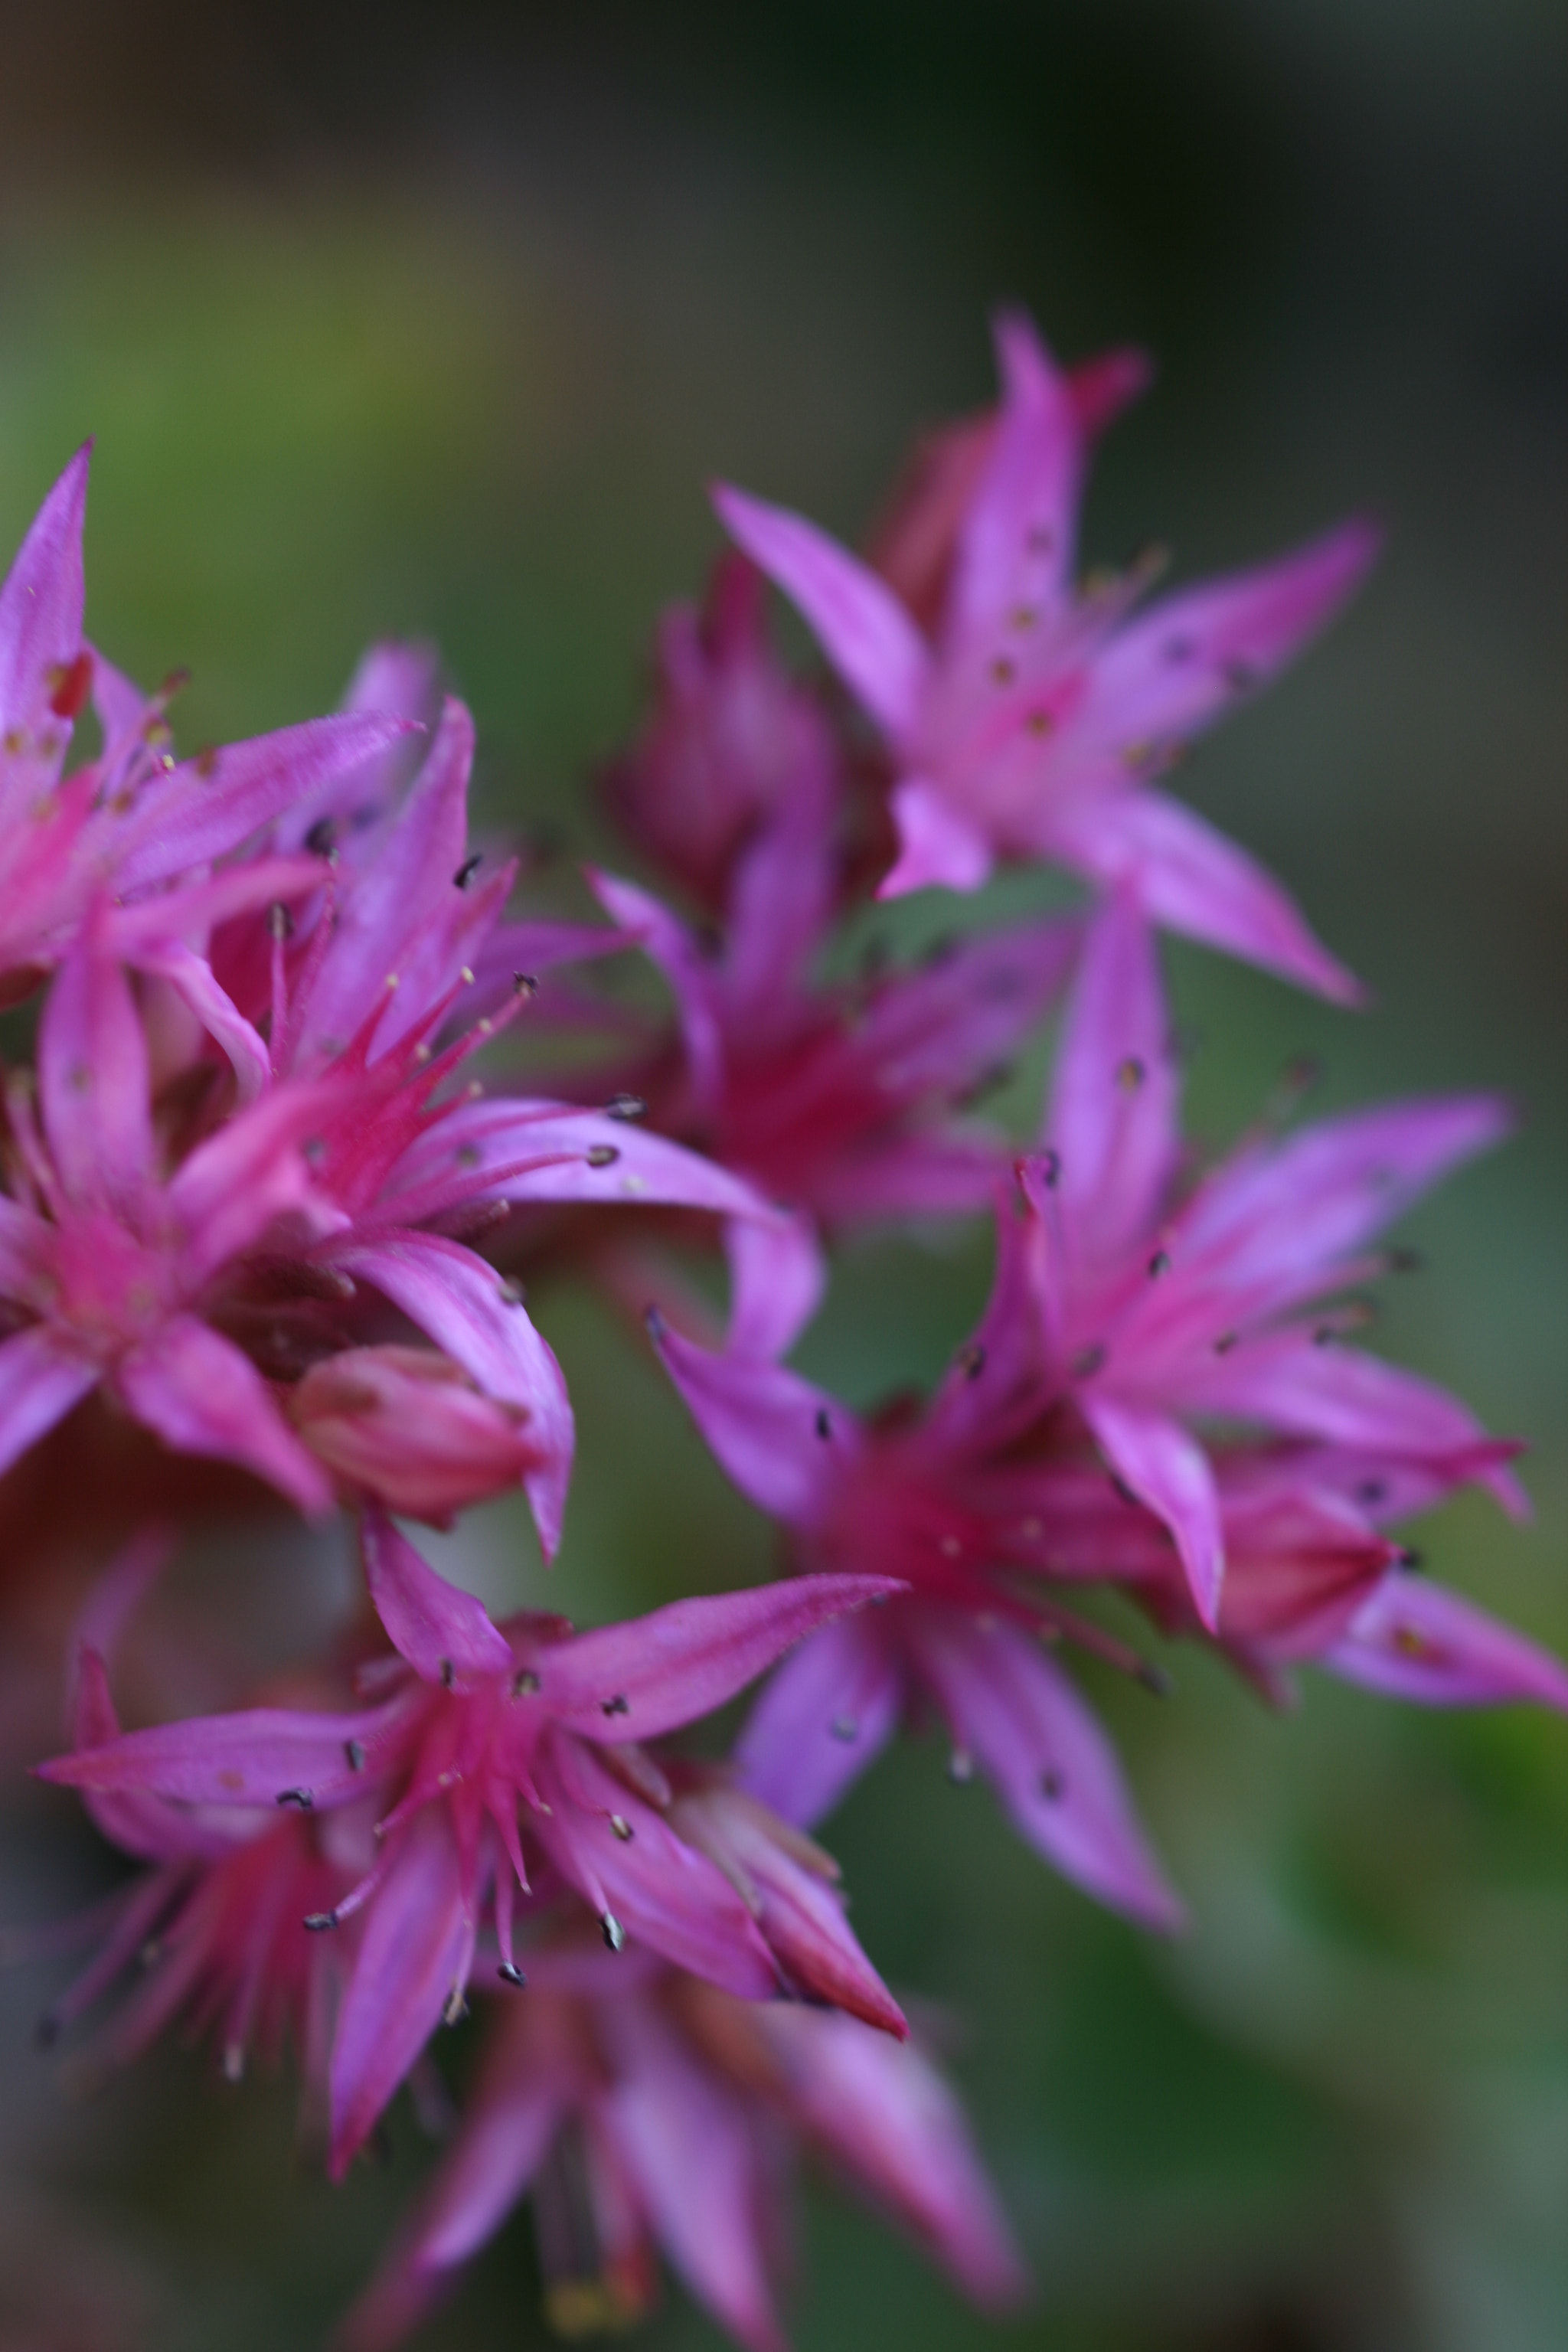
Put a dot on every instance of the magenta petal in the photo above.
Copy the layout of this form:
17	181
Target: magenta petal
1190	879
777	1278
210	804
1025	1724
863	629
822	1718
672	947
529	1150
1170	1471
413	1945
254	1757
1116	1094
786	1445
439	1629
880	2109
200	1395
41	1376
653	1674
1415	1641
94	1082
458	1301
41	600
1016	547
691	2147
190	976
250	1172
937	843
943	1029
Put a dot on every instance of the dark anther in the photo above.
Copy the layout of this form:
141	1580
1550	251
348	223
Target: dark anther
620	1704
1406	1261
1160	1263
961	1767
448	1673
323	838
1240	676
1053	1785
1325	1335
626	1107
455	2007
279	921
1407	1557
1050	1170
1087	1362
525	1683
511	1290
300	1797
614	1934
654	1323
845	1728
318	1922
622	1828
467	869
525	982
354	1750
823	1423
1156	1679
509	1973
1120	1488
1130	1073
1371	1490
971	1359
603	1155
1225	1342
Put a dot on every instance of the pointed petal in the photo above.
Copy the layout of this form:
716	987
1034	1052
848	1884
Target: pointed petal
430	1623
1015	549
210	804
937	843
41	1376
1181	664
94	1082
672	947
692	2148
653	1674
252	1757
1190	879
881	2110
200	1395
458	1300
531	1151
1413	1640
777	1278
822	1718
41	600
412	1947
945	1029
1024	1722
249	1173
1116	1095
862	627
190	976
1104	386
786	1445
1170	1471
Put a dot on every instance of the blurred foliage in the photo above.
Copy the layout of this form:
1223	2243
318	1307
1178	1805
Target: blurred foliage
435	321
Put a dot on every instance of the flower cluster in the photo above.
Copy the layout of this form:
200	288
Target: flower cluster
258	1201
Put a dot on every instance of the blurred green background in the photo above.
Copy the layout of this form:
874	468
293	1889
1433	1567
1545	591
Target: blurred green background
436	320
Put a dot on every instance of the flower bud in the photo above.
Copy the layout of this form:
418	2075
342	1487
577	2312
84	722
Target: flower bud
408	1426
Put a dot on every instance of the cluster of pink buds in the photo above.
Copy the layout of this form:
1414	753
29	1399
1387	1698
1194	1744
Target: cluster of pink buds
262	1232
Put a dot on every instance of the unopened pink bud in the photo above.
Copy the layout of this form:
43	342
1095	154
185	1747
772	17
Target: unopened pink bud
406	1425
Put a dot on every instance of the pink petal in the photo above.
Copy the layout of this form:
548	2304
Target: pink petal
458	1300
41	600
42	1375
692	2149
246	1176
1104	386
777	1278
787	1445
253	1757
483	1151
200	1395
191	977
94	1082
937	843
822	1718
212	804
636	1680
430	1623
1170	1471
863	629
1190	879
690	973
945	1029
1116	1096
1181	664
1015	549
1020	1717
413	1945
1415	1641
881	2110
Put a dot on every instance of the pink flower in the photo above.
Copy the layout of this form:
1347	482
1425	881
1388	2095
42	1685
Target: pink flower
133	821
1031	725
475	1721
1160	1307
670	2115
406	1427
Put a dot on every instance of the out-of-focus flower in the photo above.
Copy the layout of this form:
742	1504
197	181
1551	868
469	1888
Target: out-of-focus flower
1035	721
476	1721
661	2114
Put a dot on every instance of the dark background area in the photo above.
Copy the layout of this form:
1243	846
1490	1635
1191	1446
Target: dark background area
430	319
